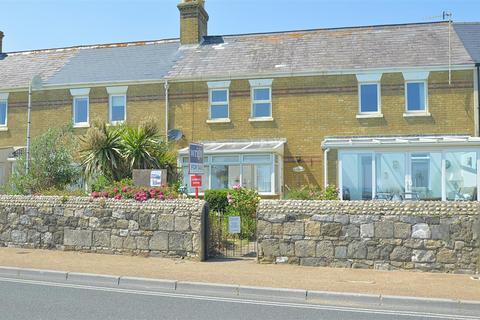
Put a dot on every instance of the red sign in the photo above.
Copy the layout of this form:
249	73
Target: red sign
195	181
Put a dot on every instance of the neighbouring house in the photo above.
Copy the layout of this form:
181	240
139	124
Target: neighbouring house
380	111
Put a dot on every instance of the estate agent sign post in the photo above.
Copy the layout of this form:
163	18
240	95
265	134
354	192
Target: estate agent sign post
195	165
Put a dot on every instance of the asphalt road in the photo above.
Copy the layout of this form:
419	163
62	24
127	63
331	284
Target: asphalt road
24	299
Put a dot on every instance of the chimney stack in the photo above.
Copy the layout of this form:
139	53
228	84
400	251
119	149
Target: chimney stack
193	21
1	41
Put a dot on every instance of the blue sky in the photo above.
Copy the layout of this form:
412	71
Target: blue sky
36	24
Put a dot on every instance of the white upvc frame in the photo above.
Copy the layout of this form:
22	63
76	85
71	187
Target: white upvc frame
4	98
425	97
80	93
81	124
214	86
369	79
378	112
260	84
212	103
271	161
117	92
110	108
408	152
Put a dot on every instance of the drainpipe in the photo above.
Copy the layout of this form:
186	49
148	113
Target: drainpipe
478	96
325	167
166	86
29	111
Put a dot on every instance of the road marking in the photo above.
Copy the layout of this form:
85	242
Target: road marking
243	301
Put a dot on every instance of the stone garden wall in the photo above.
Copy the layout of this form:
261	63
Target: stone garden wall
426	236
156	228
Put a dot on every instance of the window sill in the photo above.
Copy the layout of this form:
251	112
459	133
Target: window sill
3	128
115	123
416	114
369	115
222	120
261	119
81	125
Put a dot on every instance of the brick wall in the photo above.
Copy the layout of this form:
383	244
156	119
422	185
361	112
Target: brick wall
305	110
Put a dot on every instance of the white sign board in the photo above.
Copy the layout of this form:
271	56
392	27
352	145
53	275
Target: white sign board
155	178
234	224
195	158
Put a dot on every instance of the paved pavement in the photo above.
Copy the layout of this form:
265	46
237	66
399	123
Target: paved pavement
250	273
28	299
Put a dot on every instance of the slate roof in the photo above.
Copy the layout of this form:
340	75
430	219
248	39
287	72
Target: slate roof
140	61
249	55
322	50
469	33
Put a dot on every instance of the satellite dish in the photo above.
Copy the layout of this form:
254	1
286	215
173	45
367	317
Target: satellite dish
37	82
174	134
298	169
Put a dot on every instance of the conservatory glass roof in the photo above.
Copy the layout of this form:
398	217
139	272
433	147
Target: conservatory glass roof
400	141
260	146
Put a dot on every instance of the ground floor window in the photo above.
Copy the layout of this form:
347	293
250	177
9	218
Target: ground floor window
426	175
256	171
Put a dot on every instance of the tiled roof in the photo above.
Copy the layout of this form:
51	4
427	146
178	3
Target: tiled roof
322	50
250	55
469	33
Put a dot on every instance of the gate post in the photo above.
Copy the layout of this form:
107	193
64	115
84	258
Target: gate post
205	231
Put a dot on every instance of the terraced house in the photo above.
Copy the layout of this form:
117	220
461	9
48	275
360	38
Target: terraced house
379	111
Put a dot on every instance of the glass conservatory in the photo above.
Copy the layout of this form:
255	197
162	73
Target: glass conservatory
408	168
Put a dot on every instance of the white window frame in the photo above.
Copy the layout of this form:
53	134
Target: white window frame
408	152
416	77
261	84
368	79
4	98
274	189
379	101
425	92
80	93
81	124
212	103
117	92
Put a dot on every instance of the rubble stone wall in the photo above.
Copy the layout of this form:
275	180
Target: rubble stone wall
425	236
155	228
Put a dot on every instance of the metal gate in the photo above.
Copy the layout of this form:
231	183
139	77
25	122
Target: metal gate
223	244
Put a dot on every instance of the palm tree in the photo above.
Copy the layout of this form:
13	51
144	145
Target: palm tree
101	152
115	151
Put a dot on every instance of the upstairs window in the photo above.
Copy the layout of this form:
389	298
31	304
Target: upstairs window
80	107
369	99
416	92
80	110
415	96
3	109
118	104
219	104
261	98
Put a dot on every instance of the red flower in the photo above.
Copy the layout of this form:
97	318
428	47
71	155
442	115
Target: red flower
125	189
118	197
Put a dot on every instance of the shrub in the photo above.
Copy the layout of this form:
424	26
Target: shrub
114	151
50	166
312	193
126	190
244	202
217	199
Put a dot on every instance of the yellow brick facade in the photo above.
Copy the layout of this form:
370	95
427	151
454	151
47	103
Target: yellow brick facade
305	110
